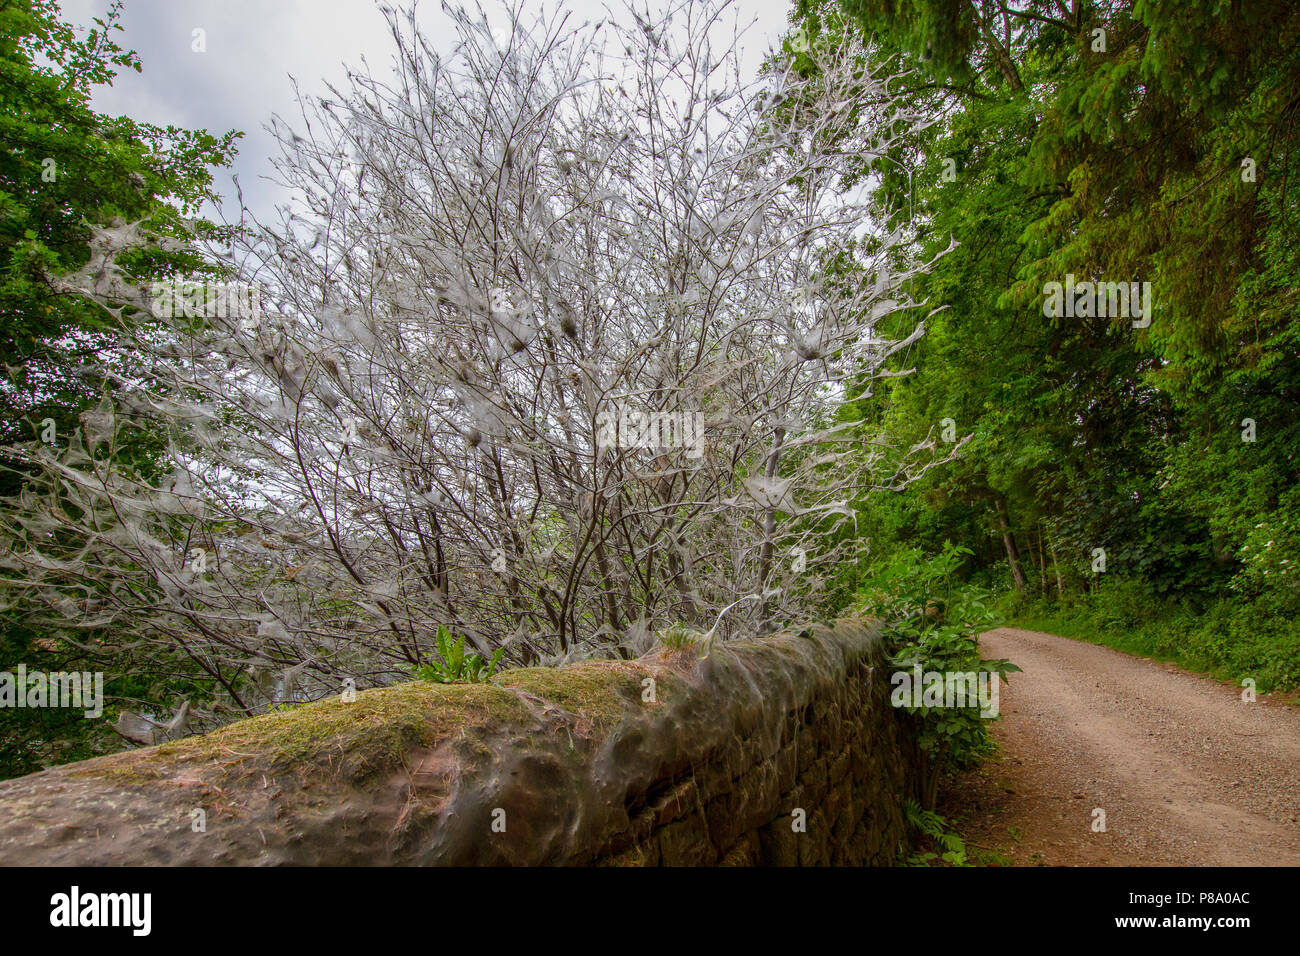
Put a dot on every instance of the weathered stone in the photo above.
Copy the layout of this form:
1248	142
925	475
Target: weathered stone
786	768
745	852
813	780
814	846
839	765
779	844
806	748
686	843
540	766
676	803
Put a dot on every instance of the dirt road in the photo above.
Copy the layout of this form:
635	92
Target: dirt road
1185	770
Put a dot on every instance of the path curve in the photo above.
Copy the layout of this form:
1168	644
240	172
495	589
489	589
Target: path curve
1185	770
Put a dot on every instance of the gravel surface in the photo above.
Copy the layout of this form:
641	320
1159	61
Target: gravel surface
1186	771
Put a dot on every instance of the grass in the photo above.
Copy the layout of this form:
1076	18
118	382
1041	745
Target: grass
679	637
1229	639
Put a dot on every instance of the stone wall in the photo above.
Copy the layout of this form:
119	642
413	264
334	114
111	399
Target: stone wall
774	751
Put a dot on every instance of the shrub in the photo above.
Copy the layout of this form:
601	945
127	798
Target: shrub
933	622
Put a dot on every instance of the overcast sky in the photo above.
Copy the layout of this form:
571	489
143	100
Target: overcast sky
254	46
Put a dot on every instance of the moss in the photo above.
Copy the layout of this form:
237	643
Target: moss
636	856
744	853
372	733
377	730
600	692
775	651
118	768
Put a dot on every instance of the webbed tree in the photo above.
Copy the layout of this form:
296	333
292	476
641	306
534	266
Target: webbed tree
548	353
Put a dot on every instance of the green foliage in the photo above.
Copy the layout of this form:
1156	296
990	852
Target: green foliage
679	637
454	665
1050	157
950	848
32	739
1230	637
284	706
933	622
64	167
1272	550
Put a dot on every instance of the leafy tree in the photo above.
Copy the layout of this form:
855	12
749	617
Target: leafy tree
64	168
1135	140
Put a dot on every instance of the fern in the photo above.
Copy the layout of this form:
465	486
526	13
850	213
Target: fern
934	826
454	666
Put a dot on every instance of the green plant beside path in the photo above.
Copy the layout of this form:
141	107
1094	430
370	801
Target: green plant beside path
933	622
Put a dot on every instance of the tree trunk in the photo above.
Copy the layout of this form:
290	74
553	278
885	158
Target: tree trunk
1060	584
1009	542
769	525
1042	564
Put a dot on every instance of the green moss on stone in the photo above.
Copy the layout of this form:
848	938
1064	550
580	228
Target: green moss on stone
600	692
376	730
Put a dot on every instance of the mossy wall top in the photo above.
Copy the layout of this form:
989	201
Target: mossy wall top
782	750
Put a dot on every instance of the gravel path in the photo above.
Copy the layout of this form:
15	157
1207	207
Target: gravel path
1185	770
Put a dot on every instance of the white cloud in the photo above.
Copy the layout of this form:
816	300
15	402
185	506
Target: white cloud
254	46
